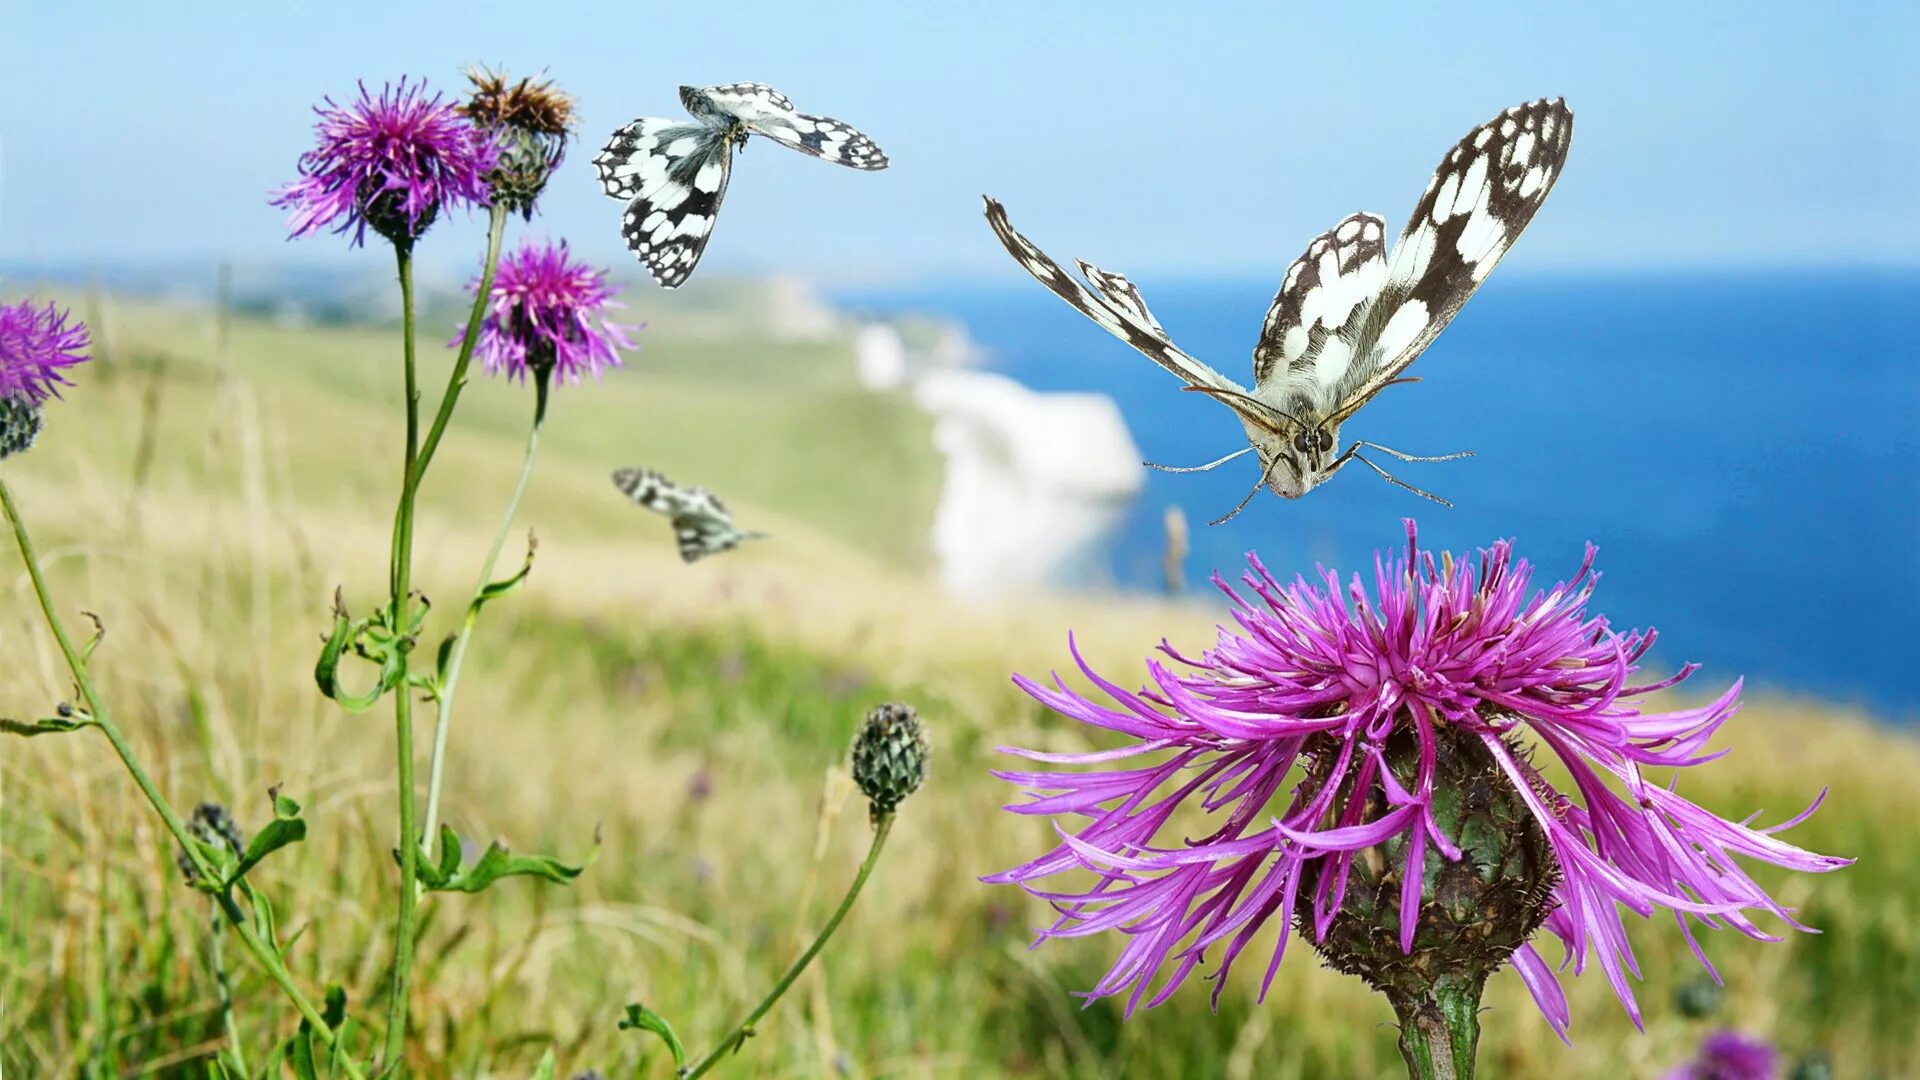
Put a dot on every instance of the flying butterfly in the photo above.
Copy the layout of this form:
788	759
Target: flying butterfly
701	522
673	173
1348	319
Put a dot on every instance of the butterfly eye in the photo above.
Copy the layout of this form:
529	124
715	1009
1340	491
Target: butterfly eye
1326	441
1300	441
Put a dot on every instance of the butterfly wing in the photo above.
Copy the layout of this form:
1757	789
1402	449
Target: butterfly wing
673	175
702	525
1484	193
825	138
1301	353
1113	302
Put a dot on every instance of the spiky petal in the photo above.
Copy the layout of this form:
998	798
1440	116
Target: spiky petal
37	345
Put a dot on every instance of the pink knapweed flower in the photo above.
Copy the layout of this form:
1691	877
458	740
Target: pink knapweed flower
547	308
390	162
1418	821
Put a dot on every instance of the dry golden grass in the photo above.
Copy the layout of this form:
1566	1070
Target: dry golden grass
600	696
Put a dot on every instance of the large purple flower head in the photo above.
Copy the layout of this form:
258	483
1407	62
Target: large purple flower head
36	344
389	162
547	314
1420	841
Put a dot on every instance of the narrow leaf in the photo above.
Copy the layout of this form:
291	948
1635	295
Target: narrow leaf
641	1018
286	828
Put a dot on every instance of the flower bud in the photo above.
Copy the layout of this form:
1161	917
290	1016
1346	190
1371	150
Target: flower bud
19	423
211	824
1474	911
530	122
889	758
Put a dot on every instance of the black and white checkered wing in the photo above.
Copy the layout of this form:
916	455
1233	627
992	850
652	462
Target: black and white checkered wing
673	175
1486	190
825	138
1113	302
702	524
1336	279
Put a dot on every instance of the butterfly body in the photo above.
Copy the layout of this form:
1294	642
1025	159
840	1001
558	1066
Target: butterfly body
1349	316
702	524
673	174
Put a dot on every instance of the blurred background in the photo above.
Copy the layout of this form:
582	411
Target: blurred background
1698	357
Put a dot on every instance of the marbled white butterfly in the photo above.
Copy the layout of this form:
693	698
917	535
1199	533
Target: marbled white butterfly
673	173
1347	320
701	522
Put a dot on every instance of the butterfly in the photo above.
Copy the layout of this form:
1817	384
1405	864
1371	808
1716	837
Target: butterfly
701	522
1348	319
673	173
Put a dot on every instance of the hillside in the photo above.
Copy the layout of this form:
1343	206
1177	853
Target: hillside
204	490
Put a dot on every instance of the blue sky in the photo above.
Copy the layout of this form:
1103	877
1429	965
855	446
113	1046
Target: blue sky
1160	139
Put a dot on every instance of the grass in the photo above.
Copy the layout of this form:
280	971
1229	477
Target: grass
694	716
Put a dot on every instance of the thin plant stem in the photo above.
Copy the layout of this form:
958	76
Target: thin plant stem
418	456
457	380
443	720
739	1035
218	950
263	951
402	608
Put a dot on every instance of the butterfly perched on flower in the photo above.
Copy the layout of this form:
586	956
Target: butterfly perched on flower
1348	318
702	524
673	173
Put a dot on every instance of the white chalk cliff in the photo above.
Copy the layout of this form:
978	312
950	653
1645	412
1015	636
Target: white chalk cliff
1032	478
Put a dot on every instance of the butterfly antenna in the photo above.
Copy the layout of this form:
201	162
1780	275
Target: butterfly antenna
1340	416
1257	485
1392	479
1231	397
1216	463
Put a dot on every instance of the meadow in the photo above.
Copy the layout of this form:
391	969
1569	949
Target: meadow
211	480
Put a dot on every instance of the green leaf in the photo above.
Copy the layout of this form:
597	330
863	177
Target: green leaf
286	828
494	590
544	1071
641	1018
46	725
495	863
99	632
347	633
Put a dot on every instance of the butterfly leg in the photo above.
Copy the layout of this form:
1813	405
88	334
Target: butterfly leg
1199	468
1353	454
1257	485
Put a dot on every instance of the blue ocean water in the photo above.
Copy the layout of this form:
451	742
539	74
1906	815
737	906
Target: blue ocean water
1743	448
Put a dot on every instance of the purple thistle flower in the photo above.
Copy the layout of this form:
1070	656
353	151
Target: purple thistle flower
35	344
1729	1055
1380	701
389	162
548	309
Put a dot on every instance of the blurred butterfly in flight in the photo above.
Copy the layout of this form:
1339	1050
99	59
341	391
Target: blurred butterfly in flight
1348	319
701	522
673	173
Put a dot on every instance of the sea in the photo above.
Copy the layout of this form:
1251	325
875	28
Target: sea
1742	447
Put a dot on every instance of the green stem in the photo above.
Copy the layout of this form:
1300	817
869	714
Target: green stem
443	721
496	228
402	608
1440	1030
263	952
226	993
419	455
744	1029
